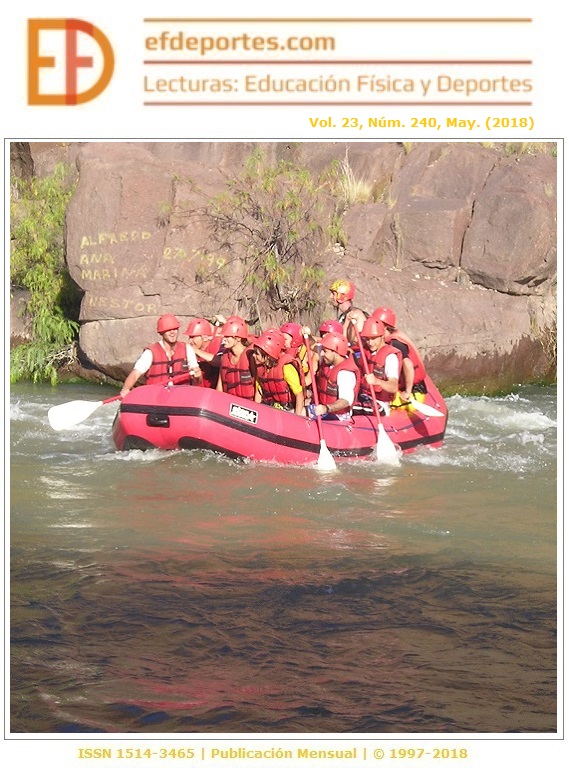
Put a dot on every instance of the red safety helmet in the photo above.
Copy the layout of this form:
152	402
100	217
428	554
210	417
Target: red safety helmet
214	345
276	332
167	323
294	330
373	327
344	289
199	327
271	343
235	327
330	326
386	315
337	343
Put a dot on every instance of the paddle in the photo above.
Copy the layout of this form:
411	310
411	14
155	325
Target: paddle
68	415
385	448
426	410
325	459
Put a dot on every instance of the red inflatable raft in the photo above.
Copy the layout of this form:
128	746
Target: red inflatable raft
196	417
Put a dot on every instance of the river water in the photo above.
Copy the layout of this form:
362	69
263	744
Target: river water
183	592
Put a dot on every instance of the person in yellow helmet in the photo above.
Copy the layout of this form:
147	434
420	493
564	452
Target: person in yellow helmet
342	293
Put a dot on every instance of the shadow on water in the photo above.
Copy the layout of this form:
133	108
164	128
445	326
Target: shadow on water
218	642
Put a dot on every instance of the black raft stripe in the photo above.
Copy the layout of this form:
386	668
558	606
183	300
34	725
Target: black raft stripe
248	429
426	440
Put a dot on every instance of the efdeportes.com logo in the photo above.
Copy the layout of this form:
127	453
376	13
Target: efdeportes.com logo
69	62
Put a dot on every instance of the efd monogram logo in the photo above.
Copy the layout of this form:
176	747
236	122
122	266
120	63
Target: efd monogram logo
56	68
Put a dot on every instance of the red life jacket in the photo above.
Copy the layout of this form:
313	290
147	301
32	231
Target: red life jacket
376	364
163	369
214	345
301	355
414	356
274	388
237	379
327	381
210	373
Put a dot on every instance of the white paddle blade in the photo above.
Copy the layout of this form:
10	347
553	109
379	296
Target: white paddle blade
68	415
325	459
386	450
426	410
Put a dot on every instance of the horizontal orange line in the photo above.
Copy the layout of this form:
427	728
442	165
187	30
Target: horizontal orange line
349	62
338	104
514	20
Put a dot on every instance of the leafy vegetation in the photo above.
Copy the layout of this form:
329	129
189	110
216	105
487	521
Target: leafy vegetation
266	226
37	263
274	225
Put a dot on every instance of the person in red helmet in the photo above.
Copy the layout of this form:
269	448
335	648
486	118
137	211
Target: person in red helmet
206	345
165	359
337	379
200	332
384	364
330	326
292	335
412	378
342	294
236	371
314	343
326	326
278	374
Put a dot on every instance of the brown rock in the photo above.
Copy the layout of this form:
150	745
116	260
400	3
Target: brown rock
460	239
363	222
426	231
21	161
20	320
510	245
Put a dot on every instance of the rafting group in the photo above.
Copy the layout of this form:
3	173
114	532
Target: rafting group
356	389
357	360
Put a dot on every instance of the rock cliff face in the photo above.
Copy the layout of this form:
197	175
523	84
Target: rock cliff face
459	239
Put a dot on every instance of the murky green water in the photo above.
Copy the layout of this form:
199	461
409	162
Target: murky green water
182	592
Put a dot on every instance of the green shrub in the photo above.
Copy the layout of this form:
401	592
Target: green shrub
37	263
268	218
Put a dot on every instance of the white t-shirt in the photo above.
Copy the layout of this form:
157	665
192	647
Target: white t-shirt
144	362
392	366
346	391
